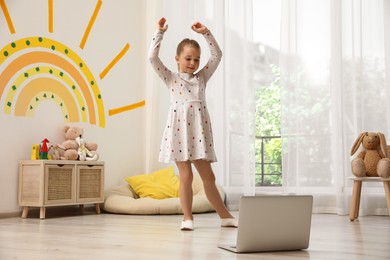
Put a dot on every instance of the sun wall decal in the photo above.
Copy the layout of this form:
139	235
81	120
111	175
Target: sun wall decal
40	69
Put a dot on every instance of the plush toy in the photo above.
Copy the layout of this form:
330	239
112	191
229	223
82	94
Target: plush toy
70	145
56	151
372	161
84	153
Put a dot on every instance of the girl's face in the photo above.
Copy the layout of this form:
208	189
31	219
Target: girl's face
188	60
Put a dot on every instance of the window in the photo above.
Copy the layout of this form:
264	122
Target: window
266	24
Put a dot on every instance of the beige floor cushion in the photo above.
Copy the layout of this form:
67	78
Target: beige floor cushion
123	200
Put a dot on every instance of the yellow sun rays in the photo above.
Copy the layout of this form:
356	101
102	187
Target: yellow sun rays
90	24
103	73
50	15
126	108
114	61
7	16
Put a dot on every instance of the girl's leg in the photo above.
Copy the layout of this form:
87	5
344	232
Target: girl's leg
185	189
211	190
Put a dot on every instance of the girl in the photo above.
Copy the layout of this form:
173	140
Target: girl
188	137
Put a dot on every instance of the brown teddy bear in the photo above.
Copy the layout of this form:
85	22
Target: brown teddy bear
372	161
71	147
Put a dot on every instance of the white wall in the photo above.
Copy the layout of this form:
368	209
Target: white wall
122	140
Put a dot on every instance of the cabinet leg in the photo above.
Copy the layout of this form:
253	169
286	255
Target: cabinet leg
97	207
42	213
81	208
25	212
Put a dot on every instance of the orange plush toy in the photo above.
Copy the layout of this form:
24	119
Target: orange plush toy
372	161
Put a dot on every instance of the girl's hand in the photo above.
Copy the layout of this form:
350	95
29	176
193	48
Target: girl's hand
199	28
161	24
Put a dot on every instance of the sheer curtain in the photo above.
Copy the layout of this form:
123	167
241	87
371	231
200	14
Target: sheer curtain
335	84
230	96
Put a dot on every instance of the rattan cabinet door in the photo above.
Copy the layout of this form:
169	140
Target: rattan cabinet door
60	184
90	183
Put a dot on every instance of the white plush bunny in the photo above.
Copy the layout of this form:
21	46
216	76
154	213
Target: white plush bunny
84	153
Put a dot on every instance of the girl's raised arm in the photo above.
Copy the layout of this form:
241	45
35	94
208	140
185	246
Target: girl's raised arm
162	71
215	55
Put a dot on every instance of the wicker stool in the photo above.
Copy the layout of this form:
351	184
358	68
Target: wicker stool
357	187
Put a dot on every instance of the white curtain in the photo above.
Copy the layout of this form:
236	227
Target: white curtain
335	72
230	95
239	101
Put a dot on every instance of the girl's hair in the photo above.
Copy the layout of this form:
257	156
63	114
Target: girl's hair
186	42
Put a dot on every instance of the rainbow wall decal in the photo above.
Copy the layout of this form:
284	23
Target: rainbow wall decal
40	69
64	73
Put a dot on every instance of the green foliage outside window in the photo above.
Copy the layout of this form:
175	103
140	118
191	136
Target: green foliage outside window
268	141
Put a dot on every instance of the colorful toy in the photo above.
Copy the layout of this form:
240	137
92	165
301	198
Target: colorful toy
35	152
44	150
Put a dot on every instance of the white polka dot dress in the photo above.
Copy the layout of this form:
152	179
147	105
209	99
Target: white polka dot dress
188	135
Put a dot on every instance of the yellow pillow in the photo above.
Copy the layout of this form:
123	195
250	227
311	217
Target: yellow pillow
161	184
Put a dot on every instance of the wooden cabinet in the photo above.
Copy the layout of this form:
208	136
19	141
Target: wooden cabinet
45	183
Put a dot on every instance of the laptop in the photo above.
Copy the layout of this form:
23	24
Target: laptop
273	223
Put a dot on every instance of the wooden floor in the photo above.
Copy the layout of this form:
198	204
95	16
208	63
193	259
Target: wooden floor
110	236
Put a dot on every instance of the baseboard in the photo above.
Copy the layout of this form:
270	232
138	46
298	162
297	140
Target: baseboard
10	215
54	212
